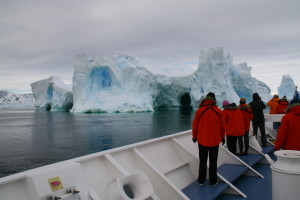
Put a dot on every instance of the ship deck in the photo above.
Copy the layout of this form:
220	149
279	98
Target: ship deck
252	186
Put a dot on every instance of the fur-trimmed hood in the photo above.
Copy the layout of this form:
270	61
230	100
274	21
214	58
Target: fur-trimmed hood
293	109
231	107
244	107
207	101
282	100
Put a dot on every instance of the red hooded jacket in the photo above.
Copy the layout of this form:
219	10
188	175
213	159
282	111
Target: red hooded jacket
273	103
247	116
207	125
282	105
233	120
288	136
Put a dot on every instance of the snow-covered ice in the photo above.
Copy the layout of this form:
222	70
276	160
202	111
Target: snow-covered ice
10	99
287	87
52	94
112	84
121	83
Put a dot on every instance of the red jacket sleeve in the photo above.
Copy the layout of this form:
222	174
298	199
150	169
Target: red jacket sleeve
282	134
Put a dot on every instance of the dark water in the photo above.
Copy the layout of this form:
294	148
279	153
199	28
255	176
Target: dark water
30	139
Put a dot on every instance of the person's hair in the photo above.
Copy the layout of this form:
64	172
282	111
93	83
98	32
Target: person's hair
242	101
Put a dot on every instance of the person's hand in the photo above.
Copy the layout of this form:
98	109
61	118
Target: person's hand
194	140
223	141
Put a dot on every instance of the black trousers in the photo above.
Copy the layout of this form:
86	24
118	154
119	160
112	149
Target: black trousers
204	152
261	126
244	140
231	143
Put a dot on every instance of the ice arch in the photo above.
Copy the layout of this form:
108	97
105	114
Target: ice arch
49	97
185	101
100	79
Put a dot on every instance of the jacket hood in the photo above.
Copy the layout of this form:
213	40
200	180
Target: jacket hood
244	106
207	101
293	109
230	107
283	101
276	99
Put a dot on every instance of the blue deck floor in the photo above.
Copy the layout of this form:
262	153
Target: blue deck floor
255	188
207	192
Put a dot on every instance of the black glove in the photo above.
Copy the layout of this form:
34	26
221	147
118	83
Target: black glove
223	141
194	140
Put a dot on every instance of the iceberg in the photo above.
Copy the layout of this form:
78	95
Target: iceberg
121	83
217	73
8	99
112	84
245	85
52	94
287	87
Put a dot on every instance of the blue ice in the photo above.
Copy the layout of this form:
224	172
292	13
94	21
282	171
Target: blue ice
100	78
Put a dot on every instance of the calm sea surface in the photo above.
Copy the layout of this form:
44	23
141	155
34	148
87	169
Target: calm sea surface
30	139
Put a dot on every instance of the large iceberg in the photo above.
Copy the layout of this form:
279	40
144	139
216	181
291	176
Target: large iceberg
112	84
52	94
287	87
121	83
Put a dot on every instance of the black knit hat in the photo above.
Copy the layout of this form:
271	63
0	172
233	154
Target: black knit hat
255	97
211	95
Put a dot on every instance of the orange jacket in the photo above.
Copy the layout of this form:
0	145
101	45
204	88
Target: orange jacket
282	105
273	103
247	116
288	136
233	120
207	125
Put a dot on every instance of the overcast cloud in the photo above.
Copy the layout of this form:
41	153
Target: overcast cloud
39	38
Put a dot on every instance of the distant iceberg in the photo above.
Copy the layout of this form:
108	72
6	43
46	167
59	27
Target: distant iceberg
121	83
287	87
52	94
10	99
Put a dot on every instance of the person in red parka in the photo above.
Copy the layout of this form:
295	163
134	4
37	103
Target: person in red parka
282	105
288	136
208	132
247	118
234	124
273	104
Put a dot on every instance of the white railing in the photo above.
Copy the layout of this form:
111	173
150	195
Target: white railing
273	118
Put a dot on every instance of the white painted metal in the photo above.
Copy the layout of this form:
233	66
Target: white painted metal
286	175
273	117
254	143
139	185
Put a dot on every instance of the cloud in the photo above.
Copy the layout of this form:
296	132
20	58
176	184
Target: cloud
42	37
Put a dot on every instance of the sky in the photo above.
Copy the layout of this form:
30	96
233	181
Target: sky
39	38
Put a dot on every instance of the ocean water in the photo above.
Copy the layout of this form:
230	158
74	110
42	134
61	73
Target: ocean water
30	139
